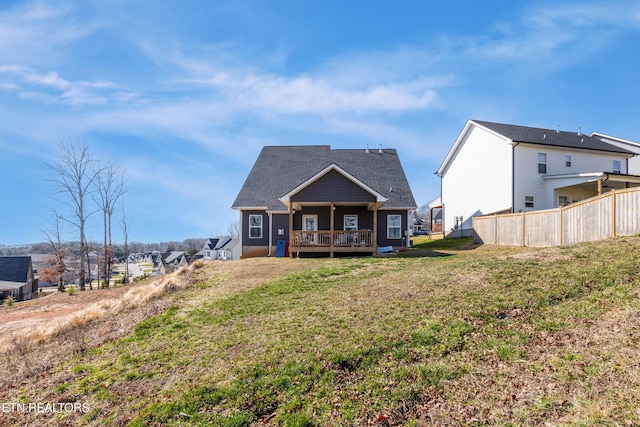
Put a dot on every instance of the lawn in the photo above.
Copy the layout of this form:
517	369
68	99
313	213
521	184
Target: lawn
482	336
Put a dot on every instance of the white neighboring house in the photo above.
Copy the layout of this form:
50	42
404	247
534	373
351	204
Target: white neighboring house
229	249
501	168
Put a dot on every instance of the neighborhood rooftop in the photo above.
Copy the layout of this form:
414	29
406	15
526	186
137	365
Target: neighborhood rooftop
280	169
551	137
14	268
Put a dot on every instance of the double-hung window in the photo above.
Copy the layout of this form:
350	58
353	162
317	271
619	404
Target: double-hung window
350	222
542	162
394	225
528	201
617	166
255	226
567	161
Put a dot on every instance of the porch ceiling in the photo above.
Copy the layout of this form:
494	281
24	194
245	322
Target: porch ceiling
370	205
589	182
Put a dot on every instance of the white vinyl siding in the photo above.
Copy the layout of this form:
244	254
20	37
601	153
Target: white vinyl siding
528	182
478	179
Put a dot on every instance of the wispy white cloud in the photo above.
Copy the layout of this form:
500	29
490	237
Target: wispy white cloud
562	29
50	87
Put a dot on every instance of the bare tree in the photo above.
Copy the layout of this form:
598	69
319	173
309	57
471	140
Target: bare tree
109	184
125	233
73	176
233	229
53	234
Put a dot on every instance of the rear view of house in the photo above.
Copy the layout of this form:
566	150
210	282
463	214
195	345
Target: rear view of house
324	200
16	278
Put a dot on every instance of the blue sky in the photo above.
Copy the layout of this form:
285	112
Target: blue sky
184	94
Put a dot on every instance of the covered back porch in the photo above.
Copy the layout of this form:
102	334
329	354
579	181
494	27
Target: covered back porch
332	228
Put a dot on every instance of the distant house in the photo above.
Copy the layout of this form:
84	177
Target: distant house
17	278
229	248
435	215
209	249
171	261
502	168
324	200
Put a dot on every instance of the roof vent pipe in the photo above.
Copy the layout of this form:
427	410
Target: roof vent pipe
367	150
380	149
544	136
580	130
558	131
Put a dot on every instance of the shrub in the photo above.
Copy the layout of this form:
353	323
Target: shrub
9	301
71	289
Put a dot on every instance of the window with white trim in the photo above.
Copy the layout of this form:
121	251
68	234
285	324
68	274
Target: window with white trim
394	225
542	163
528	201
255	226
350	223
567	161
617	166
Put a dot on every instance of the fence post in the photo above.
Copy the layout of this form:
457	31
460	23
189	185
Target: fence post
560	210
613	211
523	230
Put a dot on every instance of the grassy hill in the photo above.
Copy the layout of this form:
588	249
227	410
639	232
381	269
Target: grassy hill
455	336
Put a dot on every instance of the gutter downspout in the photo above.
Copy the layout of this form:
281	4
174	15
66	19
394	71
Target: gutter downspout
270	232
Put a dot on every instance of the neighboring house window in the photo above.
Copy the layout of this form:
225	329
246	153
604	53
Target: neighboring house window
255	226
542	163
563	201
528	201
393	226
351	222
567	161
617	166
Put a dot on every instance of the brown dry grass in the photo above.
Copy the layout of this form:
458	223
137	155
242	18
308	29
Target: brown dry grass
572	360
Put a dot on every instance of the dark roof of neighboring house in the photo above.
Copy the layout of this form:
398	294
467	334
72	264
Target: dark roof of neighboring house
280	169
551	137
211	243
14	268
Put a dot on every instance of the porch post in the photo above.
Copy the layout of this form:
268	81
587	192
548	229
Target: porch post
599	187
332	207
290	230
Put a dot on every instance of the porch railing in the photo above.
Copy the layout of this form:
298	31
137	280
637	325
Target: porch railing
340	238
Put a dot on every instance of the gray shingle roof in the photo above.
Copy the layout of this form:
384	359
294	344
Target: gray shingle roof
280	169
551	137
14	268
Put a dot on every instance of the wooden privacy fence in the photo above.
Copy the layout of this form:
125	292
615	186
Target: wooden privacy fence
616	213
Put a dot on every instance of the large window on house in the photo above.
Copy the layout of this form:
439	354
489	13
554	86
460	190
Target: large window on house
255	226
617	166
542	163
567	161
528	201
351	222
394	225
